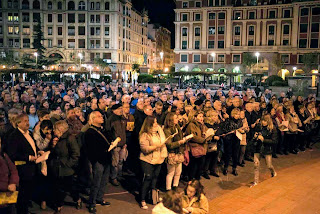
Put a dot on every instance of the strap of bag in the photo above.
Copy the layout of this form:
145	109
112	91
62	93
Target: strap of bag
102	135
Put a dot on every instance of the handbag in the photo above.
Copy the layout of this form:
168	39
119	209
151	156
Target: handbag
174	158
198	151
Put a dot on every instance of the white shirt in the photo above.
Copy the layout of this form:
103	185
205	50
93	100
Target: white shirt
30	140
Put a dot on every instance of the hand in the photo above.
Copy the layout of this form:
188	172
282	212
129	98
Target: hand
32	158
190	209
226	116
48	136
55	141
253	125
261	138
182	141
12	187
40	152
255	135
216	137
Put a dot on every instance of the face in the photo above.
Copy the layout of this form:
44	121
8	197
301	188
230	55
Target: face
118	111
159	109
264	122
273	112
236	116
46	131
32	109
155	124
242	115
71	114
46	104
217	106
236	102
199	118
24	124
126	108
175	119
98	119
191	191
148	110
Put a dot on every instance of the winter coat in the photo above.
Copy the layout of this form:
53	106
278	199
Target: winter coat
64	156
270	138
230	125
116	127
173	145
146	141
8	173
96	147
198	131
199	206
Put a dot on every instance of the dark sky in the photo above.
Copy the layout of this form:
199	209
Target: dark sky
159	11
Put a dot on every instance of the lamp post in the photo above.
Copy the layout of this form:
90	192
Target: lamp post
80	57
90	69
257	55
36	55
294	70
161	56
213	59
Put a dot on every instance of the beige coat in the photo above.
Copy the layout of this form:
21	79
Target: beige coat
199	207
148	140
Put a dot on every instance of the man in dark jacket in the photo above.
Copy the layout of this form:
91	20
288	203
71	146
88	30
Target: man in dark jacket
97	147
116	127
23	152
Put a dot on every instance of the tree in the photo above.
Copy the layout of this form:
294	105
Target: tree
136	67
277	61
38	43
40	49
101	63
248	60
310	61
8	59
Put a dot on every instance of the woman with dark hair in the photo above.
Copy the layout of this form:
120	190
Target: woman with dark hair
194	200
170	204
264	139
198	145
175	148
33	117
44	104
153	153
8	180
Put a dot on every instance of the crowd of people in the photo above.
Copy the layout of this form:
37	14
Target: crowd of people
76	137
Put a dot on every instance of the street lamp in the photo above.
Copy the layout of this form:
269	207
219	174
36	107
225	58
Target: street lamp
161	56
187	68
80	57
257	55
213	59
36	55
294	70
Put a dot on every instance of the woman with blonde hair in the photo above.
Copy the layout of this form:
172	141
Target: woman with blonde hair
153	153
264	140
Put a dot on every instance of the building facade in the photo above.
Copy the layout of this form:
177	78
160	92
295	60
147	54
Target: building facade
163	55
215	34
108	29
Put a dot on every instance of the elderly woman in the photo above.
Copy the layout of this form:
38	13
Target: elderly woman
62	161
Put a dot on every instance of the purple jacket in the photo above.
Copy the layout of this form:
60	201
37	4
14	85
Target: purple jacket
8	173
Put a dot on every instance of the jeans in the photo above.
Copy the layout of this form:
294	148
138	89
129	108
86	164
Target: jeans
174	172
257	157
100	177
119	154
150	177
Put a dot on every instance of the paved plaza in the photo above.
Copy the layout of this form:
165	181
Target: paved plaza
295	190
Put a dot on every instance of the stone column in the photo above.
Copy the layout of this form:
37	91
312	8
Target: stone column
294	27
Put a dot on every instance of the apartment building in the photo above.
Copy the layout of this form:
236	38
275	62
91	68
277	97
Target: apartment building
215	34
108	29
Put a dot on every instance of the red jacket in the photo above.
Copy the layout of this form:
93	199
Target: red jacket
8	173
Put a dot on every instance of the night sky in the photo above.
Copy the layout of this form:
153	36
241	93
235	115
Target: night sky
159	11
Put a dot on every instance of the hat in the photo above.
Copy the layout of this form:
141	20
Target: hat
198	102
116	106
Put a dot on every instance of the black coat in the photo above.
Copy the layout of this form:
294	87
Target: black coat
270	138
19	149
229	125
97	147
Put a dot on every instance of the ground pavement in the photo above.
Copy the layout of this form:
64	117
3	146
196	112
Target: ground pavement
296	189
